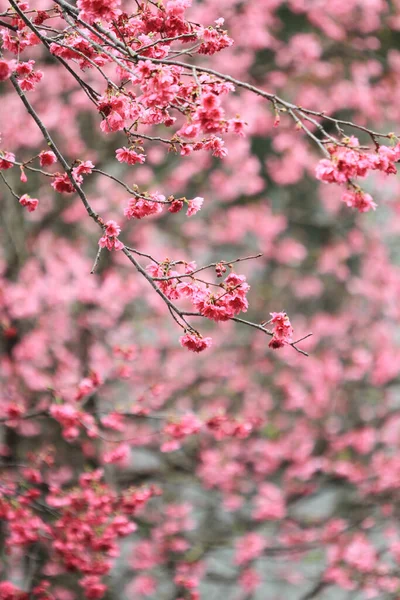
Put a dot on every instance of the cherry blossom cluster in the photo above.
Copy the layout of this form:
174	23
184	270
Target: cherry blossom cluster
217	302
223	304
19	40
152	88
349	161
63	184
24	72
30	203
221	426
282	333
162	89
110	238
195	342
73	420
89	520
7	160
92	519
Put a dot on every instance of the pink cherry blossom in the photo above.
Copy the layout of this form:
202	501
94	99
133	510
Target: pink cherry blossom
194	206
30	203
194	342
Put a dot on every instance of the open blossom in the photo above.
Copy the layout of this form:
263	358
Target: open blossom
189	130
24	69
349	162
170	287
7	160
214	40
237	125
194	206
27	77
283	330
194	342
30	203
345	164
47	158
112	229
80	50
360	200
385	158
7	67
326	171
62	184
110	238
116	111
216	145
159	86
129	156
210	114
141	207
25	38
226	304
175	206
84	168
92	10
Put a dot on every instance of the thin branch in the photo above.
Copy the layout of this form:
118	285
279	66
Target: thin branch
55	149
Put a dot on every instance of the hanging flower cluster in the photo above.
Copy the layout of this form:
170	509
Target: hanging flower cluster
348	161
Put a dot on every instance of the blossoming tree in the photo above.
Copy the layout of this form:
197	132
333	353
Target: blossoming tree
158	159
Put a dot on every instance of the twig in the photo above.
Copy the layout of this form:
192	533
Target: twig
96	260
